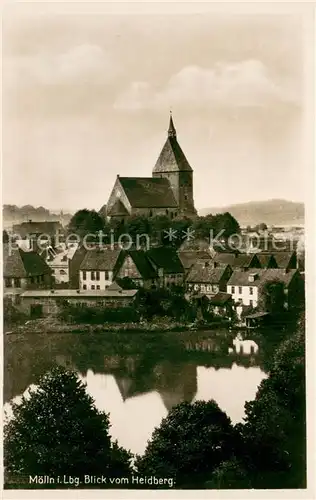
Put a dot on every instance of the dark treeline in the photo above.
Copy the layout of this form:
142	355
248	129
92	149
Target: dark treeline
88	221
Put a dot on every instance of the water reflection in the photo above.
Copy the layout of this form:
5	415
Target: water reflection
139	379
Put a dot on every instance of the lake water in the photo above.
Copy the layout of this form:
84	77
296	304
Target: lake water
138	378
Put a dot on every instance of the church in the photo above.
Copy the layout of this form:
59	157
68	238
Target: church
168	192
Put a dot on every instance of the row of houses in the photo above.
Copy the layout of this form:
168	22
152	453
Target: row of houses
101	275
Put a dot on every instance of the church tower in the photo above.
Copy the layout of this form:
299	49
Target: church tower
173	165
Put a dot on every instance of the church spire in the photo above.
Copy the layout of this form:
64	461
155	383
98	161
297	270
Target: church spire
171	130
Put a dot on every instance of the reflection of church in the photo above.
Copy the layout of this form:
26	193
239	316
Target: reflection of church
174	382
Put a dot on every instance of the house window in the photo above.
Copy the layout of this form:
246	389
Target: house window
202	288
84	287
233	289
251	303
17	282
240	289
8	282
84	275
196	287
150	213
106	275
63	272
214	288
97	275
209	288
98	287
92	287
93	277
250	290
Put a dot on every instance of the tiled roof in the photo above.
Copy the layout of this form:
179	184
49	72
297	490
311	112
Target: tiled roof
143	265
166	258
100	259
282	258
148	192
21	264
45	227
266	260
189	258
220	299
241	278
171	158
225	258
118	209
199	273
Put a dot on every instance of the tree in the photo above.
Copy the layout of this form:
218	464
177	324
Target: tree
5	237
275	423
230	475
86	221
58	430
261	227
189	444
273	296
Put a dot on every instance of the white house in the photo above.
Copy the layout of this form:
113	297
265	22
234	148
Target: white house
245	286
97	268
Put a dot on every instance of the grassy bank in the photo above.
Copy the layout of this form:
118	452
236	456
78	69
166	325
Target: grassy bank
161	325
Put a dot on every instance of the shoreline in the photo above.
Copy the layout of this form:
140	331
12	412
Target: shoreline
50	327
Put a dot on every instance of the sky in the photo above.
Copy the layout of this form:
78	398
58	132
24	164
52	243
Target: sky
87	97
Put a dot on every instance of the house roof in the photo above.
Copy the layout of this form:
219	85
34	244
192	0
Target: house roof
21	264
282	258
100	259
59	293
188	258
199	273
148	192
118	209
166	258
265	259
44	227
142	263
172	158
225	258
241	278
220	299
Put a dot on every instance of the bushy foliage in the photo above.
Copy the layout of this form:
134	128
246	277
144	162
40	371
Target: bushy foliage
58	430
85	314
164	302
86	221
191	442
275	429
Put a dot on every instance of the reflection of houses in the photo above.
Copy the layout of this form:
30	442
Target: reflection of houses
247	287
244	346
207	277
39	303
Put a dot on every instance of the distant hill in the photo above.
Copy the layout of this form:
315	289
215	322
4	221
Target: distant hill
12	214
272	212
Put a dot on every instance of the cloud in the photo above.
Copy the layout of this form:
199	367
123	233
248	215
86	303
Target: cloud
83	64
243	84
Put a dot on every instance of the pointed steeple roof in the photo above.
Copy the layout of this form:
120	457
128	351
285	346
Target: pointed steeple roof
171	158
172	130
